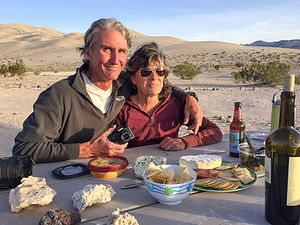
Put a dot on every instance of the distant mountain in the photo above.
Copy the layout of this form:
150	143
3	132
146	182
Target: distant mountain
279	44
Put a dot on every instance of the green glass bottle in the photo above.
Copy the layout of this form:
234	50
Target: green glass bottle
282	163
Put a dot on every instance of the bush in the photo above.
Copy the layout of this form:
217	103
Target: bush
17	67
3	69
186	71
239	64
217	67
270	72
297	79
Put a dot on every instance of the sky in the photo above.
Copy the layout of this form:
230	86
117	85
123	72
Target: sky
235	21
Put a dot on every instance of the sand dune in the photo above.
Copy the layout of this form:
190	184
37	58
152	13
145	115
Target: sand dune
43	46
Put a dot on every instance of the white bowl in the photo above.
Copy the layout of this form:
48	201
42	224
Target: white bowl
170	194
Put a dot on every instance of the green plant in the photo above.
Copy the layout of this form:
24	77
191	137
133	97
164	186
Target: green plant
3	69
37	72
217	67
297	79
17	67
269	72
186	70
239	64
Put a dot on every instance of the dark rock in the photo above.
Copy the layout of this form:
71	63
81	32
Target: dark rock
60	217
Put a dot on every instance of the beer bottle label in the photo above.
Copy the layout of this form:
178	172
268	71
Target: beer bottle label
234	141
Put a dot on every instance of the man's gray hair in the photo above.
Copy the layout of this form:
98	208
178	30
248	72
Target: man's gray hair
98	25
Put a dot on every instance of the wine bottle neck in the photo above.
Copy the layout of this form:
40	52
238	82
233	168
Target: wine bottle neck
237	113
287	108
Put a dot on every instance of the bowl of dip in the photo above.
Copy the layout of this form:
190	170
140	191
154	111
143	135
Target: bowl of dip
108	166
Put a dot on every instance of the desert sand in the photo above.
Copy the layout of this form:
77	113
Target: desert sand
217	91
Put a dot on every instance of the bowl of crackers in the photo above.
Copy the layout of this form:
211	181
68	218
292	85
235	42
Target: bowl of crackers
169	184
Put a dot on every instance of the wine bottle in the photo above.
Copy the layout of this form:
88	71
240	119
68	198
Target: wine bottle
237	130
282	163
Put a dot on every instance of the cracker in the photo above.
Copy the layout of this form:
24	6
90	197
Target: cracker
227	166
203	181
243	175
210	184
222	184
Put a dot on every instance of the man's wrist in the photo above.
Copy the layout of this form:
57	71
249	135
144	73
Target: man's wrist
191	93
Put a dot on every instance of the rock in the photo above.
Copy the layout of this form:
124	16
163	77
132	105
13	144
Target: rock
229	119
221	118
116	219
189	88
242	88
91	194
31	191
60	217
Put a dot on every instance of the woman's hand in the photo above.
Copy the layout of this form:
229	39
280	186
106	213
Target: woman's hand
192	111
172	144
101	146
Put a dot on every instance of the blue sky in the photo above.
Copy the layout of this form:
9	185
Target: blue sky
236	21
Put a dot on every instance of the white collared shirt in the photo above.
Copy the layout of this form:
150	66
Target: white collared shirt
100	98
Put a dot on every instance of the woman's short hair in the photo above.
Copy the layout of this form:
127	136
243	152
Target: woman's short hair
98	25
145	55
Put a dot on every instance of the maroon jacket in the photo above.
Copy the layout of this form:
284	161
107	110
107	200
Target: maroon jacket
164	122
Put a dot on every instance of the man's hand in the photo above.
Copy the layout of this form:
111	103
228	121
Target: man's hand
101	146
192	111
172	144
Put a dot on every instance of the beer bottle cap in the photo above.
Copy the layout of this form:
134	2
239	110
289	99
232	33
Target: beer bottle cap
238	104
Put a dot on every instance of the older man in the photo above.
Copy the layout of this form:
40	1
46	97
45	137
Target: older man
73	117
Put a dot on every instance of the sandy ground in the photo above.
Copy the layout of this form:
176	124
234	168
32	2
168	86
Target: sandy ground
216	90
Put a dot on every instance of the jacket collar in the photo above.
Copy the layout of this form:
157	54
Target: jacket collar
79	85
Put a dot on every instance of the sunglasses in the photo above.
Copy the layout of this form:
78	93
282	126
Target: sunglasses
146	72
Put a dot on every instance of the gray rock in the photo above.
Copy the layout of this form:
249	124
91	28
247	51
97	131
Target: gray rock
60	217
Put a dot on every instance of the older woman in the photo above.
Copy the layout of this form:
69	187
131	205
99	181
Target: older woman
154	114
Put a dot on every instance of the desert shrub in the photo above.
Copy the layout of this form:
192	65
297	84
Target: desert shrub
186	70
3	69
239	64
217	67
16	67
37	72
297	79
269	72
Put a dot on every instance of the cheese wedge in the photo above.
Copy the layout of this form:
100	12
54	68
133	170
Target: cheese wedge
201	161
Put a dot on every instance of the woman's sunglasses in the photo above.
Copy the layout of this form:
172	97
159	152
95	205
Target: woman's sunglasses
146	72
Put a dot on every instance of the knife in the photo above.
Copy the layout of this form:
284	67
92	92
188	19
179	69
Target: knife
132	185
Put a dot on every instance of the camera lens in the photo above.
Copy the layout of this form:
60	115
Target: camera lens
125	137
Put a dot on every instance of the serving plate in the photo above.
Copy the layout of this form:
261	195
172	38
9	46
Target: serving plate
244	186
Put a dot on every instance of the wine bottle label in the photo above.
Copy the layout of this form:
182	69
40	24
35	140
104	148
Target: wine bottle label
293	193
234	141
268	169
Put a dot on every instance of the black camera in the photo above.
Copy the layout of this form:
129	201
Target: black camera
13	169
121	135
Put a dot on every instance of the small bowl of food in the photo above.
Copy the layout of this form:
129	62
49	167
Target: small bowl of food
169	184
253	158
108	166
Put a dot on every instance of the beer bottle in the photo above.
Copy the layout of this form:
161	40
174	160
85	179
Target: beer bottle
237	130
